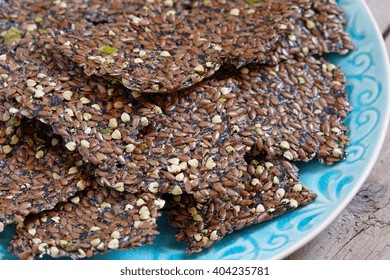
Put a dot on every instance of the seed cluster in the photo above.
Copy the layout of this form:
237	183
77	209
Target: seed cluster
113	111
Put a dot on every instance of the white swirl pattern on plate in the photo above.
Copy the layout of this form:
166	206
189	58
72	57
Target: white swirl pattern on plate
367	84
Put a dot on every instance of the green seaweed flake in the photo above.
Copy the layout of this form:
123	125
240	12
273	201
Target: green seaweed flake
12	34
108	50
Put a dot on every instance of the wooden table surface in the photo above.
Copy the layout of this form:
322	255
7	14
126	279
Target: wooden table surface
362	230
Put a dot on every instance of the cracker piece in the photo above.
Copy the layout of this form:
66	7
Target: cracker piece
94	116
271	192
35	174
319	29
167	50
95	221
293	110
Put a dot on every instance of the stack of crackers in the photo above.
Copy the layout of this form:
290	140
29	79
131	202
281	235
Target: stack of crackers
112	112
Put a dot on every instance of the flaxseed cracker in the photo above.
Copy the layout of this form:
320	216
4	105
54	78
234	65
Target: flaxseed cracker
36	173
170	127
160	49
94	221
94	116
274	189
204	135
319	29
159	57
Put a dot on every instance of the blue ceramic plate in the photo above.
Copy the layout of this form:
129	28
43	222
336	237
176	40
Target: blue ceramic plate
367	72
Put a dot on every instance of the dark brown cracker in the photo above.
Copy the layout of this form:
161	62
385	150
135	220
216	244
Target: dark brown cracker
318	30
165	53
201	141
264	106
35	173
271	192
93	116
95	221
167	49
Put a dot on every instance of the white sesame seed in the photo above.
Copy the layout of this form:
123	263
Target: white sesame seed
31	231
140	202
157	109
94	228
144	121
288	155
282	27
198	237
280	193
216	119
335	130
95	242
116	135
293	203
199	69
141	54
159	203
84	144
214	235
305	50
260	208
176	190
179	177
193	162
42	247
112	123
96	107
31	83
125	117
310	24
284	145
209	64
130	148
113	244
255	182
144	213
174	168
75	199
210	163
153	187
71	146
297	187
39	154
225	90
235	12
39	93
229	149
337	152
120	186
85	100
115	234
197	218
174	161
73	170
87	116
259	169
105	205
165	54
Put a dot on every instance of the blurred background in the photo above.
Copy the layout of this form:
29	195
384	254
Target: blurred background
362	230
